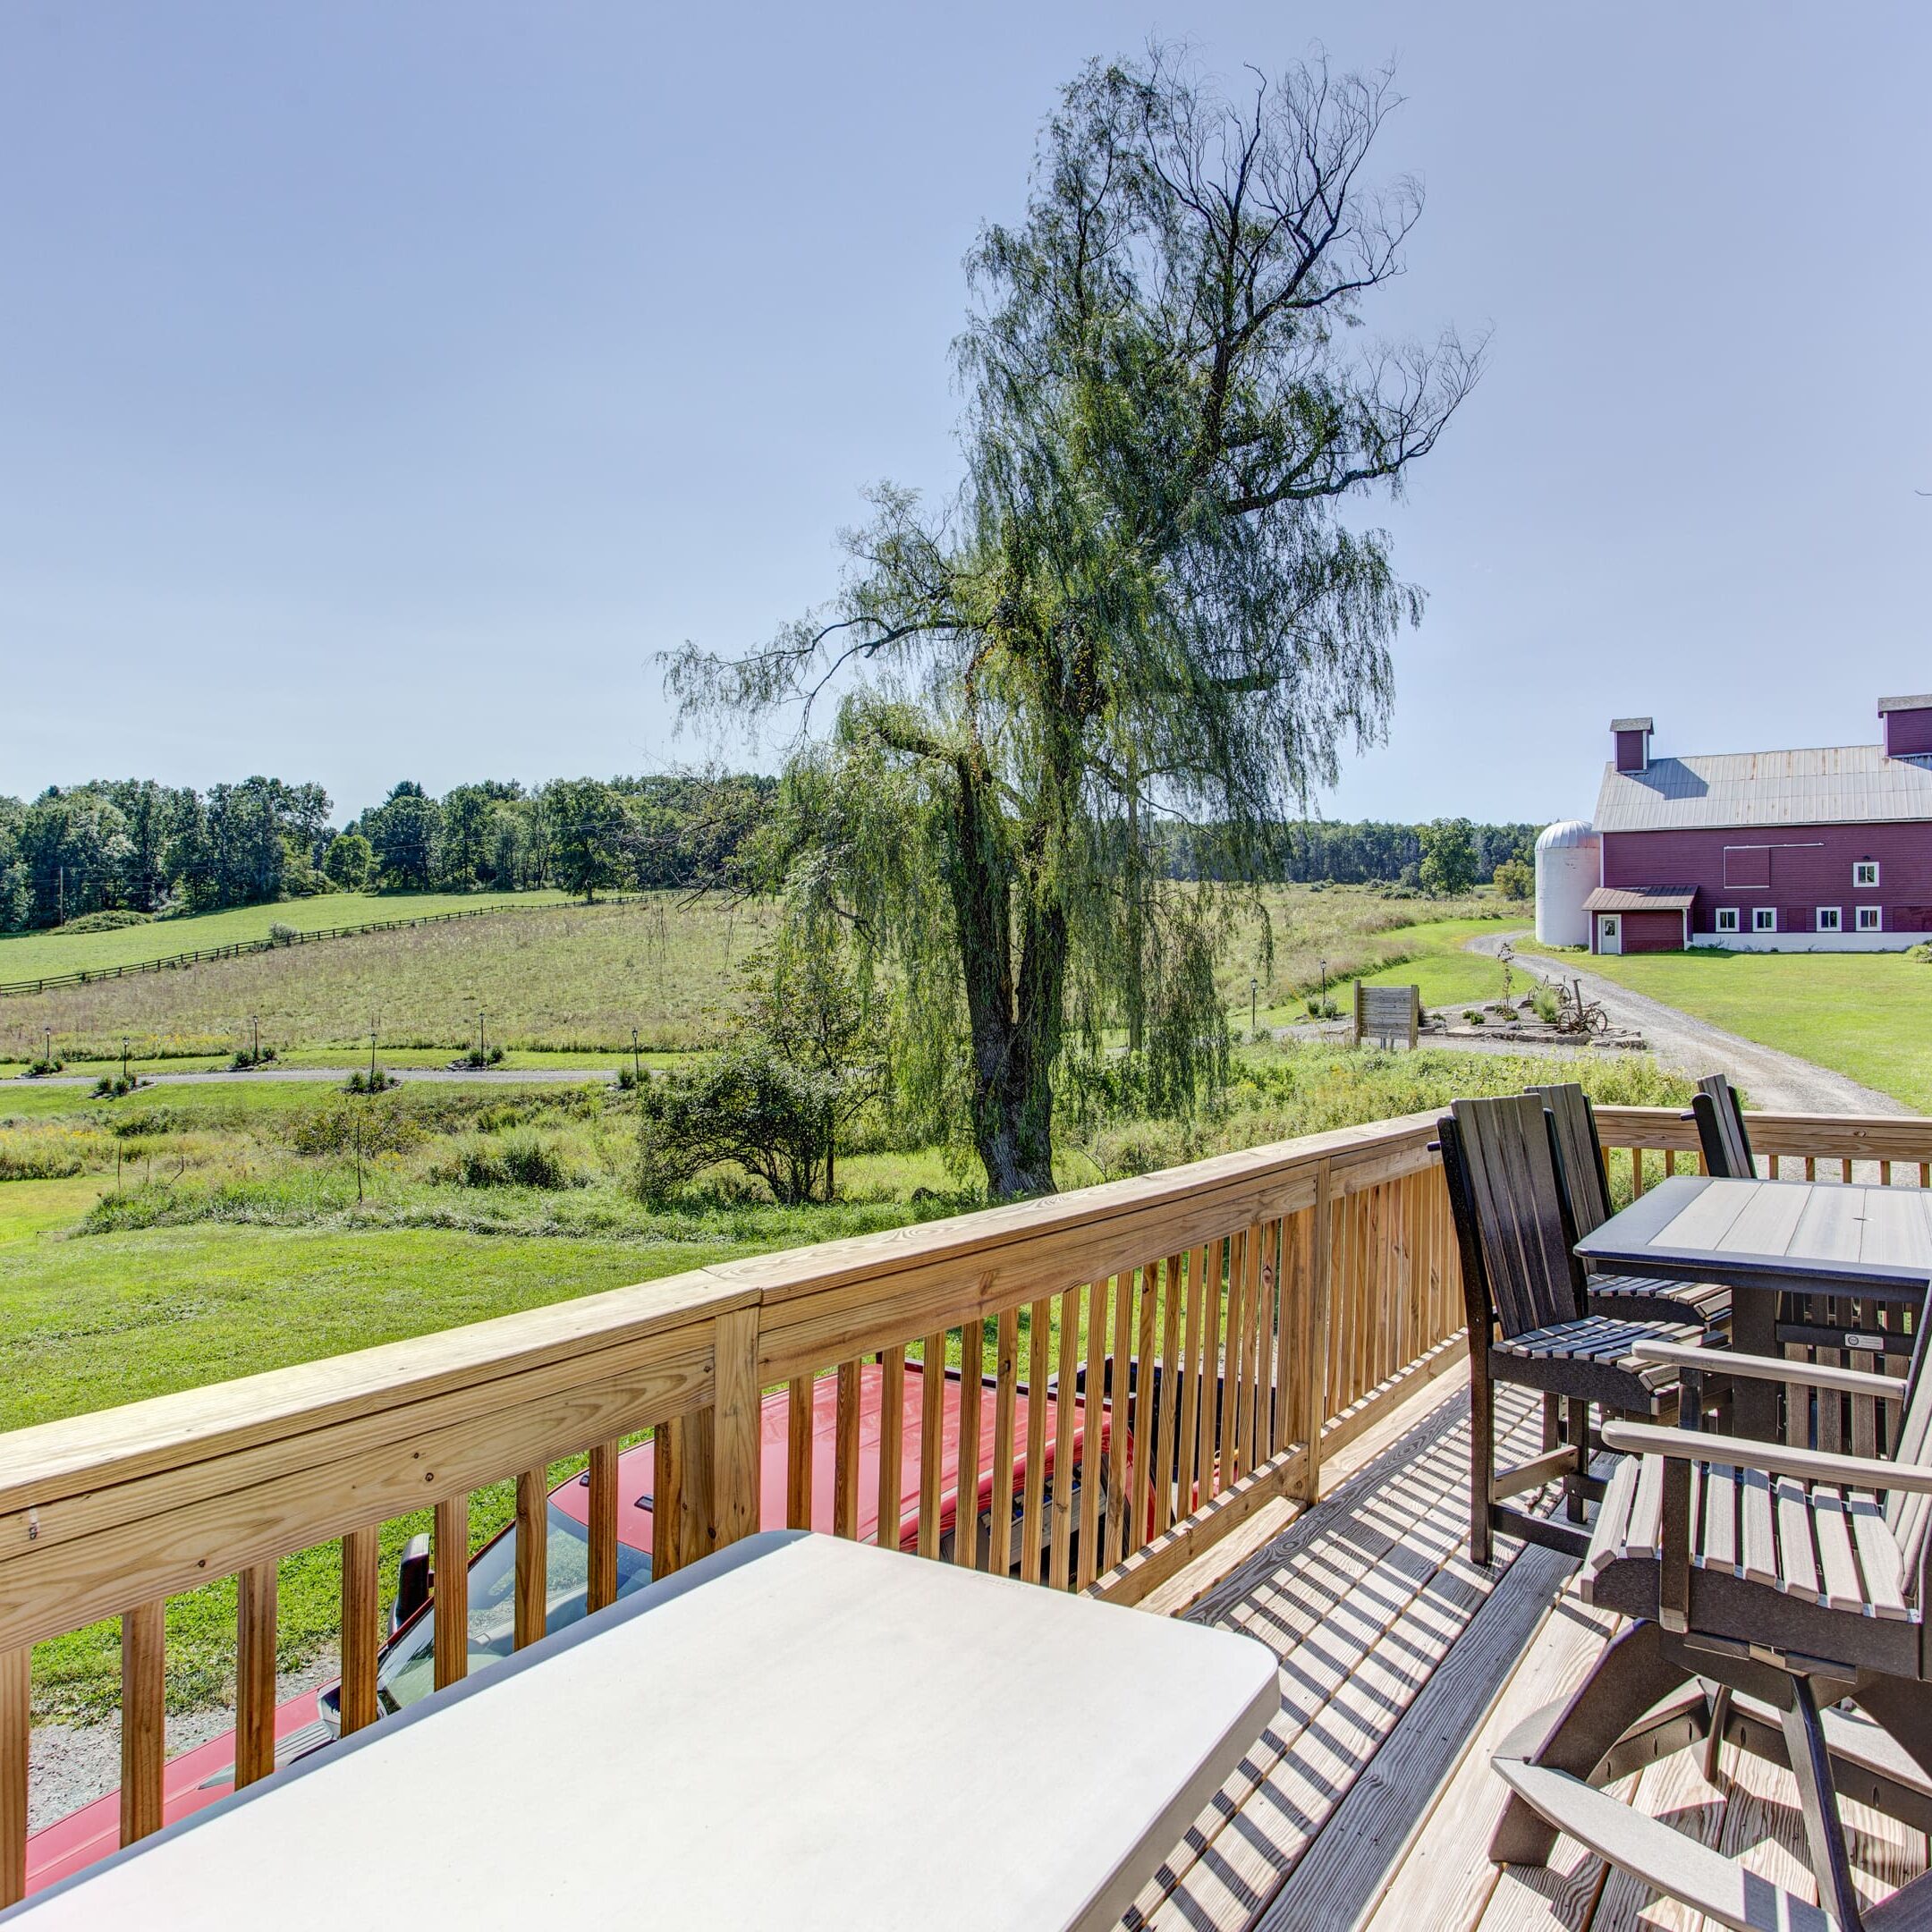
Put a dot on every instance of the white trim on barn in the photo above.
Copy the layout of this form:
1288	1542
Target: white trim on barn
1809	942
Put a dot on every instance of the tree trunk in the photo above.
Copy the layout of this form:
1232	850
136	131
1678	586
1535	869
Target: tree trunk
1015	1027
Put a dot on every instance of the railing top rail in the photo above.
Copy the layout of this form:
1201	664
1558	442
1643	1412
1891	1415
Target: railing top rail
1903	1137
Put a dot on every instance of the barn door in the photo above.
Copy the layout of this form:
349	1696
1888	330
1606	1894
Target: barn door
1609	932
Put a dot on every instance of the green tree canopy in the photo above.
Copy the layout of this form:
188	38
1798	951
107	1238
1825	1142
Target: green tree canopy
1448	857
1143	605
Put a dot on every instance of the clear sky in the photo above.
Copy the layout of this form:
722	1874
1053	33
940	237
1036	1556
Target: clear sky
382	384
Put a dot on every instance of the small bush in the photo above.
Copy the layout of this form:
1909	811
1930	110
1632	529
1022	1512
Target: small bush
519	1158
378	1080
1546	1001
113	1086
246	1057
1922	954
1474	1015
41	1069
337	1127
108	921
282	933
477	1058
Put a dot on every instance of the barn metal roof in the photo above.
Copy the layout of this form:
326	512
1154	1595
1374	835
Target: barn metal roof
1641	899
1922	703
1632	723
1835	785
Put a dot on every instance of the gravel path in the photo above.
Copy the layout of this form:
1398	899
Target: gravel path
1778	1082
69	1766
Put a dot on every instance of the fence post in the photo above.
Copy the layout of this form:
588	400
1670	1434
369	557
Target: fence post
1311	1349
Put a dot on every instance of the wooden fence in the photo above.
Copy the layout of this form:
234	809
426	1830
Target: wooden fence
1238	1319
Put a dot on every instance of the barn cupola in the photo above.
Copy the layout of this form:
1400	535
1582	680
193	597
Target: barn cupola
1908	725
1632	738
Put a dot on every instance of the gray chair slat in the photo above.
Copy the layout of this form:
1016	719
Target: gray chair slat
1720	1123
1519	1211
1581	1151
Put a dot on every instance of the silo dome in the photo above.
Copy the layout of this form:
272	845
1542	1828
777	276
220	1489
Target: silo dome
1569	867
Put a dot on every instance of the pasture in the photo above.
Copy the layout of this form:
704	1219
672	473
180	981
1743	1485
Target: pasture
575	980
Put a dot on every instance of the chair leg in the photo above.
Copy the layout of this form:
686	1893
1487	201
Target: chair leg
1482	1459
1811	1763
1630	1677
1720	1711
1552	1422
1579	1444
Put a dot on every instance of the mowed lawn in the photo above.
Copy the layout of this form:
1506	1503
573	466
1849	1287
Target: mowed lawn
1868	1015
96	1319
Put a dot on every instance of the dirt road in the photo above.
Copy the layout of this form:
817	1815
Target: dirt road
1778	1082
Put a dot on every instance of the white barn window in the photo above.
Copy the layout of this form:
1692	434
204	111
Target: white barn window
1727	918
1870	919
1830	918
1764	919
1864	874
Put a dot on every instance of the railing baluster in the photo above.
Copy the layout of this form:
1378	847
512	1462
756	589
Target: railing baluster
601	1588
668	1442
1637	1173
799	1454
532	1556
1167	1413
932	1442
1275	1262
845	1446
16	1697
255	1673
451	1557
360	1639
1141	1450
1187	1451
892	1443
1066	1400
143	1717
1208	1451
1093	1459
1005	1384
1238	1325
737	1430
1033	1518
966	1508
1120	1423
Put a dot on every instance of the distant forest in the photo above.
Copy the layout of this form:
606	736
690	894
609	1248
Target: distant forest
130	845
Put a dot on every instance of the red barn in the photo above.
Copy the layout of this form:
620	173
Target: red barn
1828	850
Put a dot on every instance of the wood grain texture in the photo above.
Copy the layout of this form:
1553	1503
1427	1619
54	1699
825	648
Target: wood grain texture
361	1640
600	1589
532	1556
737	1476
255	1673
891	1446
846	1425
16	1681
143	1718
451	1557
966	1551
799	1452
932	1445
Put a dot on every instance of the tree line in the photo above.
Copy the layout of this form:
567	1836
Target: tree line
136	846
1368	853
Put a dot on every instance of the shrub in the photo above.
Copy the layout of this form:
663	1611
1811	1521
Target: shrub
1548	1000
336	1127
41	1069
282	933
1474	1015
747	1103
1922	954
112	1086
110	921
519	1158
376	1079
246	1057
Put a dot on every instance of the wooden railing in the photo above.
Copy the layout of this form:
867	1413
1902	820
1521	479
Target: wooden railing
1182	1347
1646	1144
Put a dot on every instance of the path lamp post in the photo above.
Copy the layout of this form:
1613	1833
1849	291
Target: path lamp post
254	1040
482	1051
48	1033
1254	990
637	1062
123	1061
1325	982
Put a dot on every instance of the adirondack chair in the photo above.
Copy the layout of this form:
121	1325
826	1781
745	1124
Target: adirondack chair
1792	1579
1720	1124
1528	1326
1804	1321
1579	1152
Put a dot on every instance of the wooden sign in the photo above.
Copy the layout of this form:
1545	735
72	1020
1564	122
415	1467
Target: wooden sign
1387	1013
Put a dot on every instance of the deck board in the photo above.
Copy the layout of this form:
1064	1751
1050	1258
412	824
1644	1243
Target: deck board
1369	1801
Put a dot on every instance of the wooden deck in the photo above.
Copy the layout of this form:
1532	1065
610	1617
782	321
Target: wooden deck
1369	1800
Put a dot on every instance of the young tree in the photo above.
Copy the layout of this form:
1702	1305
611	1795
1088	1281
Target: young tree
1145	605
1448	857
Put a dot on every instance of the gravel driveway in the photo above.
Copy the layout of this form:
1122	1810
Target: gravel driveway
1778	1082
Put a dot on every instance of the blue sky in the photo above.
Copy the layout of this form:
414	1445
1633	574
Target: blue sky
383	384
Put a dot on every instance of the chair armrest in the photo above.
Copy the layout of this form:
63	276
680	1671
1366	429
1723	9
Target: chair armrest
1771	1369
1733	1452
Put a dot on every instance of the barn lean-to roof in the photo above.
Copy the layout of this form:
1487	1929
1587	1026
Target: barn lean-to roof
1833	785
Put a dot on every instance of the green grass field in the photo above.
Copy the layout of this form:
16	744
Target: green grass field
30	955
1868	1015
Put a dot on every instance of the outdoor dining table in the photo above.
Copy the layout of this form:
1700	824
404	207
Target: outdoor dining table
798	1732
1762	1239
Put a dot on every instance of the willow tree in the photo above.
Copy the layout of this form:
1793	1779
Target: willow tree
1143	604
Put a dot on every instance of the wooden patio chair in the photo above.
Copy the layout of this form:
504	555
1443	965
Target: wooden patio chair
1523	1292
1719	1115
1580	1155
1791	1579
1837	1325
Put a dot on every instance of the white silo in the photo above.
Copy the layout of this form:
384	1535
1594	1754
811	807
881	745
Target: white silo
1569	867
